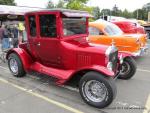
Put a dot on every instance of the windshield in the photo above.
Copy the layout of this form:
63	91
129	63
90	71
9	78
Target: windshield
113	30
73	26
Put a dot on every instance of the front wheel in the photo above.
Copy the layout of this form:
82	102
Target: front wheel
15	65
128	68
97	90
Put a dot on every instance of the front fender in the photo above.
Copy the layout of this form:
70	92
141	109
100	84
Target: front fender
124	54
24	56
97	68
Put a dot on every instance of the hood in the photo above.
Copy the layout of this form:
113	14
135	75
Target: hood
97	48
82	44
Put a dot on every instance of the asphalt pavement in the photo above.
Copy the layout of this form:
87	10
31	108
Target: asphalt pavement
38	94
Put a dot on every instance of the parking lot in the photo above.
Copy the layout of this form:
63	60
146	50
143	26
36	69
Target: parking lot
36	93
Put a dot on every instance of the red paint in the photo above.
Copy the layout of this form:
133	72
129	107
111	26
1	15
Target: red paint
61	57
129	27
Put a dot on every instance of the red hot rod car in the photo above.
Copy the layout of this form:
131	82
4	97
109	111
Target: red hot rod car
57	46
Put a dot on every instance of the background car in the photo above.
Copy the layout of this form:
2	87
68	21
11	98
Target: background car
103	32
130	27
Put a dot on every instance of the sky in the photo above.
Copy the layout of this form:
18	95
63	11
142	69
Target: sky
130	5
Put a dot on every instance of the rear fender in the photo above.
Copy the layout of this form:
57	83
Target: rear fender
24	56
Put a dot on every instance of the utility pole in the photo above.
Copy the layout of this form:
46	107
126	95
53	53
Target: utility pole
137	14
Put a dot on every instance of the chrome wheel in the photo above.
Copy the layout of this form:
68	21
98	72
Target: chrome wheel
95	91
125	68
13	65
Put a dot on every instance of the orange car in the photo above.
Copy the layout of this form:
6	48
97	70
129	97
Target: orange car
105	32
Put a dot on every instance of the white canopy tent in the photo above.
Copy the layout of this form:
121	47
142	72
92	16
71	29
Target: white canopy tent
16	10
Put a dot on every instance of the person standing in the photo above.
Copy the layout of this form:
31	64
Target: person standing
21	28
1	34
5	39
15	36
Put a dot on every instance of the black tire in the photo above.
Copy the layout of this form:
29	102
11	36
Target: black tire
130	63
106	82
21	72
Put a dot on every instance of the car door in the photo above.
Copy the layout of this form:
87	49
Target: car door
32	34
48	41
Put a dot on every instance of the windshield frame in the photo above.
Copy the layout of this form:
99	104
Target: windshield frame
74	35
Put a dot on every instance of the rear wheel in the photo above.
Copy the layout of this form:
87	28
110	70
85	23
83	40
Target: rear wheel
128	68
15	65
97	90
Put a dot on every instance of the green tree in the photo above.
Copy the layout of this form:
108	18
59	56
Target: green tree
71	4
141	14
82	1
96	12
74	4
106	12
61	4
7	2
50	4
78	5
126	14
115	10
147	7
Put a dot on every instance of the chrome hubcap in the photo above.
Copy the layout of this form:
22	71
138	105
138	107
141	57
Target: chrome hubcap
125	69
13	65
95	91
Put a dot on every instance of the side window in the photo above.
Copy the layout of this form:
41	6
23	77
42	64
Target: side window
48	26
32	25
95	31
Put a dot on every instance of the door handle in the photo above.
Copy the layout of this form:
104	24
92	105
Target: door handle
38	44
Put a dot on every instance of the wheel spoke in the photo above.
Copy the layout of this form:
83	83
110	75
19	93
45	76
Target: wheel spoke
13	65
125	69
95	91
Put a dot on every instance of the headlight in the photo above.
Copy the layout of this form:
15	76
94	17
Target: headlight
112	57
110	66
121	59
111	49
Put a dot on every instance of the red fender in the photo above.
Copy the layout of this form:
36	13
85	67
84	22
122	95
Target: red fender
97	68
24	56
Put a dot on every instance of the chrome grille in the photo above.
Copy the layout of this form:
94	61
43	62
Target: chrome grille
113	57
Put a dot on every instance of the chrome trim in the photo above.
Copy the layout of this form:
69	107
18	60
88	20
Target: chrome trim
121	59
110	49
95	91
142	51
110	66
123	46
13	65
